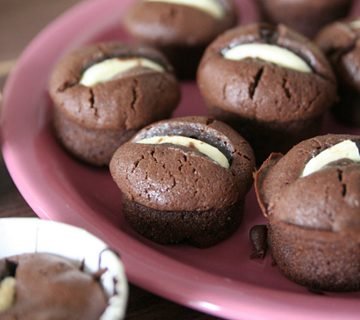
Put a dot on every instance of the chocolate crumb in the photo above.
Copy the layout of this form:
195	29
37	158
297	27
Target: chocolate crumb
258	238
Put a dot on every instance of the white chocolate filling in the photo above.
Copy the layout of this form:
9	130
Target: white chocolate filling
211	152
211	7
110	68
355	24
269	53
343	150
7	293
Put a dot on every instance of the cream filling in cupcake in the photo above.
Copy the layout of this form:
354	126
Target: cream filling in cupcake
110	69
211	7
269	53
343	150
206	149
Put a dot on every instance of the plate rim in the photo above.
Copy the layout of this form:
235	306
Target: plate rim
242	300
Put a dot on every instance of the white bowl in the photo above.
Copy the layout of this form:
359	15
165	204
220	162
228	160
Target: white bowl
31	235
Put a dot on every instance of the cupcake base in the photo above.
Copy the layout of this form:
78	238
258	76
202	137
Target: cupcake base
319	260
198	228
94	146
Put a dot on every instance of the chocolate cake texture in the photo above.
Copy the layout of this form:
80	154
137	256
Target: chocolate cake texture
184	180
311	198
269	83
103	94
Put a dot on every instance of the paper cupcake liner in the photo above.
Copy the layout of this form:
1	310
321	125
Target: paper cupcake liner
31	235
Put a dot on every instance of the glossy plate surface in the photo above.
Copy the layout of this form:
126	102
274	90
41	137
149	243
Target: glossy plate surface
221	280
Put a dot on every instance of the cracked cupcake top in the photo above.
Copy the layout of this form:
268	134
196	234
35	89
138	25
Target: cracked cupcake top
340	42
114	86
163	167
315	185
267	73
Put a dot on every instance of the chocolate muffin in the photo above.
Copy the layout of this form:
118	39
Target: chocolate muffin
269	83
305	16
104	93
184	180
311	198
340	43
44	286
180	28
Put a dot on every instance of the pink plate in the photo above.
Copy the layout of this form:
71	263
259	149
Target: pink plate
221	280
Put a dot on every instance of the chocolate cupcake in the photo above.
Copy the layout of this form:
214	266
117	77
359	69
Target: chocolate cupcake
340	43
58	272
104	93
180	28
269	83
305	16
311	198
184	180
45	286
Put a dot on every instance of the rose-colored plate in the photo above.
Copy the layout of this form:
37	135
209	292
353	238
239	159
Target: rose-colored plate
221	280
